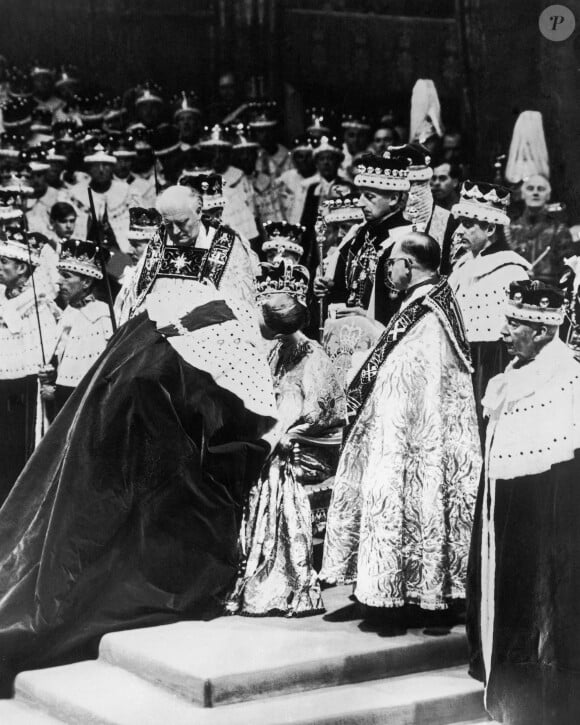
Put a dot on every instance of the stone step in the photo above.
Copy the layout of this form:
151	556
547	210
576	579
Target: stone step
17	713
234	659
96	693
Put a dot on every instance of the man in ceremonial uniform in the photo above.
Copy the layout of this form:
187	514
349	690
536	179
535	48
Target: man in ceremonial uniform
399	523
44	197
523	620
483	274
356	137
143	225
112	198
328	183
539	234
382	183
421	210
27	334
293	183
85	325
274	158
237	192
187	118
42	80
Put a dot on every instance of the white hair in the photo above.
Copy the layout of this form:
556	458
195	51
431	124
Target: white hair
177	200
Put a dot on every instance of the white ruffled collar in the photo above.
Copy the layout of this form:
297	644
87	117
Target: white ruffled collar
517	383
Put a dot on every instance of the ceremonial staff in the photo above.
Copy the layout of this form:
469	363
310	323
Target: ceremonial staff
26	233
320	231
100	240
155	175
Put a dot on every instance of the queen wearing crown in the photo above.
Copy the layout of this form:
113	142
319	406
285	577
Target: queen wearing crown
279	577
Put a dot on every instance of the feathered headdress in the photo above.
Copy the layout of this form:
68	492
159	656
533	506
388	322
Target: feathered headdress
528	152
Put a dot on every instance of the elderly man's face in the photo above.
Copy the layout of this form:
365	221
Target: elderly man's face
72	287
520	339
536	192
183	226
11	271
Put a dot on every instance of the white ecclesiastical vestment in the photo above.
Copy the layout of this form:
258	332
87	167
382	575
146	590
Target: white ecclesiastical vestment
399	524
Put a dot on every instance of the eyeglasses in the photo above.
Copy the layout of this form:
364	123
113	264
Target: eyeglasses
391	260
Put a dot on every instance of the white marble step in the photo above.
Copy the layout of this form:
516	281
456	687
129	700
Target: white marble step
234	659
17	713
96	693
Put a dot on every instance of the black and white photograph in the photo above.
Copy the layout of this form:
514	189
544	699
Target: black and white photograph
289	362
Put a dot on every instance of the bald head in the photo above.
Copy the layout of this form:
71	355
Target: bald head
178	201
423	249
180	208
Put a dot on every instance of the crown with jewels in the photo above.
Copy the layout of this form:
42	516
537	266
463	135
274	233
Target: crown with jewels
64	132
283	237
41	121
535	301
19	83
19	184
346	208
327	143
419	159
303	143
10	202
318	123
241	139
355	121
35	159
99	154
263	114
291	279
124	147
148	93
91	107
82	257
143	222
382	173
68	76
208	185
16	244
53	154
11	144
39	69
186	102
216	135
114	109
17	113
483	202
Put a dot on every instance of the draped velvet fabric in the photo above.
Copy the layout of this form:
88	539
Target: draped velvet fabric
127	514
535	666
